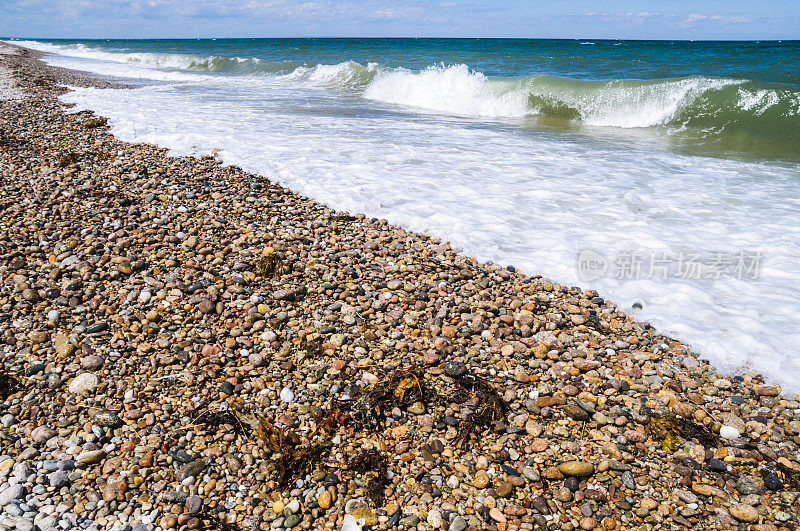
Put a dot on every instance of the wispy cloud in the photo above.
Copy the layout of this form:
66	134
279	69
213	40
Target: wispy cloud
150	18
694	17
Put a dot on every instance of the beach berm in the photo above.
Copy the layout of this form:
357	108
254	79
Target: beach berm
186	345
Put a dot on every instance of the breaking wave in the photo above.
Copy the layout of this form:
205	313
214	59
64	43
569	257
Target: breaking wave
710	105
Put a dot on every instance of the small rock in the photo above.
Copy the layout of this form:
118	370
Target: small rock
773	482
729	432
435	518
62	345
481	480
59	479
42	434
748	485
417	408
455	369
84	382
11	493
193	504
325	500
107	419
576	412
287	395
190	469
576	468
88	458
744	513
497	515
504	489
458	524
91	363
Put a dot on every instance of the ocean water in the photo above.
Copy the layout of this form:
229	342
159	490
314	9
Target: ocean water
665	175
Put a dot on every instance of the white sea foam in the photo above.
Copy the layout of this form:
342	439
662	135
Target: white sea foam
457	90
452	90
346	74
758	101
535	199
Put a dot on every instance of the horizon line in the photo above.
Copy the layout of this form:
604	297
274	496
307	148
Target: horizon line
797	39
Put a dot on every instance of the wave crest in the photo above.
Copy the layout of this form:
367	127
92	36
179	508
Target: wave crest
709	105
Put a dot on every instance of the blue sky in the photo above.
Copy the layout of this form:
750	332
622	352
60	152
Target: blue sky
675	19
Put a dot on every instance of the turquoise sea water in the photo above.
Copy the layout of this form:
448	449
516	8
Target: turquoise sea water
729	99
675	166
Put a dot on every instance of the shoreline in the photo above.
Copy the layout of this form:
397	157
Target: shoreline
158	295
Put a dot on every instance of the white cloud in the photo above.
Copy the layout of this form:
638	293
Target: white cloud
695	17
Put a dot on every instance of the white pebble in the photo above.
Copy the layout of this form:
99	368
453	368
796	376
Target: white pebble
352	524
729	432
144	297
52	315
287	395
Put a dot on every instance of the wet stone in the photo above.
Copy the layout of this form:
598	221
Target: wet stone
772	482
455	369
504	489
576	412
576	468
748	485
107	419
628	480
190	469
193	504
97	328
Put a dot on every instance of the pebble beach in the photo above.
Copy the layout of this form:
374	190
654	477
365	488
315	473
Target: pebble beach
185	345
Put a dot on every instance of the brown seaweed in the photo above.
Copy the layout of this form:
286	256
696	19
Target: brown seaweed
294	458
269	264
209	520
670	429
401	388
96	122
66	160
491	408
329	420
9	384
374	464
216	419
788	476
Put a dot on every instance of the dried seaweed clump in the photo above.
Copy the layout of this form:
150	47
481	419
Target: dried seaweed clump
8	384
210	520
269	264
401	388
295	458
374	464
66	160
96	122
669	430
6	137
329	420
490	408
789	477
313	348
216	419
